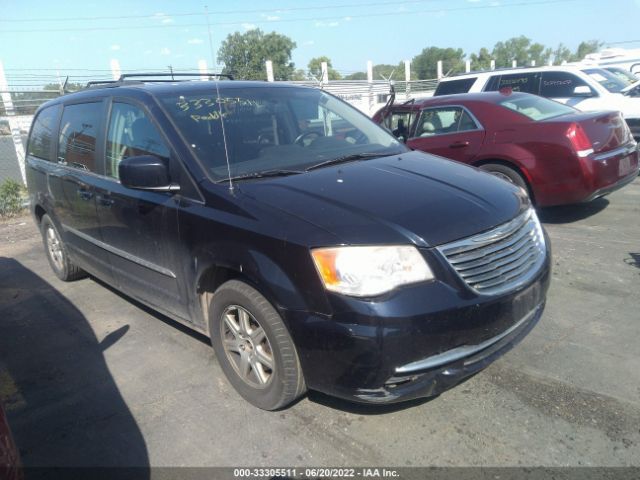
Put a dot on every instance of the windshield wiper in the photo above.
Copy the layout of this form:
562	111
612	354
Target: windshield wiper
348	158
263	174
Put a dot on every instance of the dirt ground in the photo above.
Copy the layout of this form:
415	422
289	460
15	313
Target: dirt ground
89	377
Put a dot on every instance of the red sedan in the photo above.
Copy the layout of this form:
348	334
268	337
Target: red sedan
558	154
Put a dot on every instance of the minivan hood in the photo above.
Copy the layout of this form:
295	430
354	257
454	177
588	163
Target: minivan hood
412	197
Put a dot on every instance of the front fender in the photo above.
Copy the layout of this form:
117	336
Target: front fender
286	276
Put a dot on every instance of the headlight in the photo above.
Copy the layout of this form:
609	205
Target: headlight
369	271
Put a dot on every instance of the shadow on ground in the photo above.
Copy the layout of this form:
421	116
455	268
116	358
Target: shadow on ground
633	260
64	407
572	213
154	313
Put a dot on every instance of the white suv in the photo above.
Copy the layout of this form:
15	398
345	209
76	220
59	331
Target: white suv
585	88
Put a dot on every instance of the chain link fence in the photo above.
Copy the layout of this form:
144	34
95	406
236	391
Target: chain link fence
16	115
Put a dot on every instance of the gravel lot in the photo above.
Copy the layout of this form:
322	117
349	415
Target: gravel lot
88	377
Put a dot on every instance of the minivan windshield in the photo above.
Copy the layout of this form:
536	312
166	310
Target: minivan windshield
274	131
536	108
607	79
625	75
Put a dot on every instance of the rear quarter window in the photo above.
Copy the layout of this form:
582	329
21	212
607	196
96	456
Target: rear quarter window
560	84
452	87
536	108
40	141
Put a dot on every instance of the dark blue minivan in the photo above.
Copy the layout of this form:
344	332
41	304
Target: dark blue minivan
313	248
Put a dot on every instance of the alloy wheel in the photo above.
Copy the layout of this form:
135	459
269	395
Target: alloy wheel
54	247
247	346
503	176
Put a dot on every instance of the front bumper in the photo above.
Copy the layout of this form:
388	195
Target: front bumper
431	381
370	351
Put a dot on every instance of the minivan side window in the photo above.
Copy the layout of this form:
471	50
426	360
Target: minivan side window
131	133
77	139
519	82
41	137
560	84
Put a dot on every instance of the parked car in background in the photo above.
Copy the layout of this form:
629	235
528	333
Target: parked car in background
558	154
585	88
625	75
626	59
312	247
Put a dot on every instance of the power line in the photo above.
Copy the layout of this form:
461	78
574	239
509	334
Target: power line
288	20
622	42
219	12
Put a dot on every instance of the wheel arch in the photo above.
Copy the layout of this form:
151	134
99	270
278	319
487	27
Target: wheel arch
39	212
514	166
255	269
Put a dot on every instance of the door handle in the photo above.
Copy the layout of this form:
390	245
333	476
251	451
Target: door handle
460	144
105	200
85	194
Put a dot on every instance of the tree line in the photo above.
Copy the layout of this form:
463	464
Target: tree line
244	56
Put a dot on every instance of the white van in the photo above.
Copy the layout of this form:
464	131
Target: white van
586	88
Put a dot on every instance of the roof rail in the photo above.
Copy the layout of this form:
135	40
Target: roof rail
126	76
100	82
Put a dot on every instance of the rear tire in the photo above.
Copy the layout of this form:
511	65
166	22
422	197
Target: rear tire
57	253
253	347
506	173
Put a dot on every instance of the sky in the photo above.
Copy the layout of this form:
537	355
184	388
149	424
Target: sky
74	38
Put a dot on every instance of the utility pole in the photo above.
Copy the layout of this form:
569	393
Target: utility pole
115	69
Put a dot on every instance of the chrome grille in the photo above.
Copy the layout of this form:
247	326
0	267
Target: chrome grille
501	259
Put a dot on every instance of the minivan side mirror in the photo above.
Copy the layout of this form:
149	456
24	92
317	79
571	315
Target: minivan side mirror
582	91
146	172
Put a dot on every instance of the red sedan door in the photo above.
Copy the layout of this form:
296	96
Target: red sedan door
448	131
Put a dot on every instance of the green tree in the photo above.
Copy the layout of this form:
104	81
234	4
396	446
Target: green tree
425	63
299	75
357	76
585	48
315	68
562	54
382	71
522	51
244	55
481	60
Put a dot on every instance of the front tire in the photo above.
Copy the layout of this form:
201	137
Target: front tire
57	253
253	347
